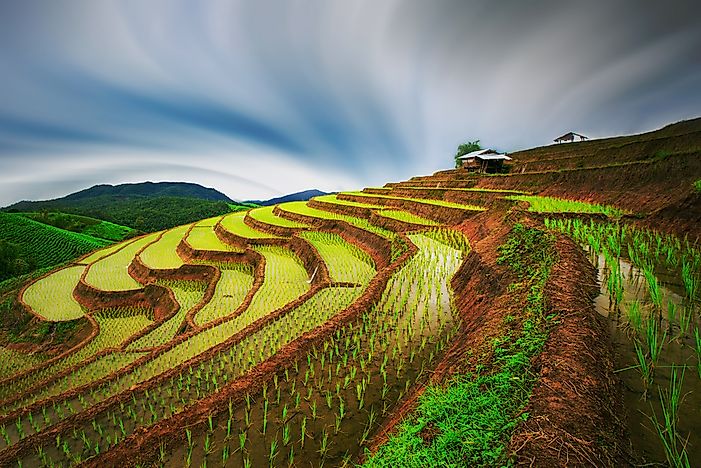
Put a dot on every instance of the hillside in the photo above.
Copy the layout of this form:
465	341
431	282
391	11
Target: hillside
145	207
297	196
149	189
384	327
27	245
84	225
652	175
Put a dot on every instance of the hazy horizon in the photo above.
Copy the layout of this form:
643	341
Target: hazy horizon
261	99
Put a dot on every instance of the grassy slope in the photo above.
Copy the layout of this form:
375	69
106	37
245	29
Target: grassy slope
469	422
84	225
144	213
29	245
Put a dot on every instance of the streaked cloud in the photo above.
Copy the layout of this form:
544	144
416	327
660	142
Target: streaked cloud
258	98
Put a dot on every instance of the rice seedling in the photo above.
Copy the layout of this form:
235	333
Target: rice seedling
697	348
635	320
234	223
52	296
162	254
558	205
111	273
407	217
690	279
673	443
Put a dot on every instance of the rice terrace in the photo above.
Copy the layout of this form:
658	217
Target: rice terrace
458	319
388	234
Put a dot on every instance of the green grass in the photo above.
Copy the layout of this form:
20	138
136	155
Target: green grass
407	217
116	325
111	273
302	208
345	261
163	253
52	296
471	189
145	213
235	282
204	238
89	373
425	201
188	294
209	222
470	420
97	255
558	205
697	186
13	361
27	245
333	198
234	223
84	225
265	214
285	280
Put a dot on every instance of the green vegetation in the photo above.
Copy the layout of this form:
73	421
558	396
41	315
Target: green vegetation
333	198
188	294
116	325
425	201
234	223
27	245
52	296
265	214
346	262
163	254
235	282
469	189
697	186
654	315
558	205
84	225
469	421
144	213
325	379
203	237
111	272
303	209
407	217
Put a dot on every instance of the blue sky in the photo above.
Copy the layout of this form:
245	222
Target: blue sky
259	98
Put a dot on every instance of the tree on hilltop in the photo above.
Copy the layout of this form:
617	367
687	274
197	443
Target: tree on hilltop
465	148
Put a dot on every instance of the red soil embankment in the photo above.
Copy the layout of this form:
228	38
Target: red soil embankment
477	286
378	247
442	214
145	443
274	229
575	410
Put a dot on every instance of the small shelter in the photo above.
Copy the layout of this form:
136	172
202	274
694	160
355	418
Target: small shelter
484	160
569	138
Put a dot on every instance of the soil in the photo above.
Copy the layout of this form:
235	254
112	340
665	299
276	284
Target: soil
576	413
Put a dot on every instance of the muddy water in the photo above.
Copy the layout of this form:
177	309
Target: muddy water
678	351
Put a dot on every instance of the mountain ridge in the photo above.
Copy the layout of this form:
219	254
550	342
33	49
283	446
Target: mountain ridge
304	195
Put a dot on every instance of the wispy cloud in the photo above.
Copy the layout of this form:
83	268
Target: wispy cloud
265	97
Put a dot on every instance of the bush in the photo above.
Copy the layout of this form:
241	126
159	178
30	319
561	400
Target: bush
465	148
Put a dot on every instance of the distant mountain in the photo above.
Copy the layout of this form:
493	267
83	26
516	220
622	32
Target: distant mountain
150	189
299	196
146	206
